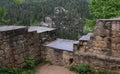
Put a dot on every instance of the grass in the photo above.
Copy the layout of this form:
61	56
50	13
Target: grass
29	69
85	69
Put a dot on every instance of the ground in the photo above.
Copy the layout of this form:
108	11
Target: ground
53	69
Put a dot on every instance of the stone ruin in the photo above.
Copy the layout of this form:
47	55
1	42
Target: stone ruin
17	43
100	50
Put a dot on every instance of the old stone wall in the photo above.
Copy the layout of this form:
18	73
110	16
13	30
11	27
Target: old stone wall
18	45
105	39
98	62
102	51
58	56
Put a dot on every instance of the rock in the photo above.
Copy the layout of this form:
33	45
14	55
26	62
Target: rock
1	52
106	39
59	10
47	22
113	46
19	59
118	47
114	25
108	24
5	45
85	43
98	38
115	40
1	59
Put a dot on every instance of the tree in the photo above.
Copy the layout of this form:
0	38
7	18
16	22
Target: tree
17	2
105	8
2	15
102	9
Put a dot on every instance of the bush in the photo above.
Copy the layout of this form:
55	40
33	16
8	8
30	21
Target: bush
29	70
30	62
72	68
89	26
83	69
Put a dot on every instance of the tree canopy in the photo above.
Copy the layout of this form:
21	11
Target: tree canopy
105	8
102	9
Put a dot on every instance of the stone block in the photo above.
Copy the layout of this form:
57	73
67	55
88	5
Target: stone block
2	59
98	38
113	46
19	59
1	52
115	40
118	47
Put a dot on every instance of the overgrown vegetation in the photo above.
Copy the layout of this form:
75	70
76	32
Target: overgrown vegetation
102	9
85	69
30	69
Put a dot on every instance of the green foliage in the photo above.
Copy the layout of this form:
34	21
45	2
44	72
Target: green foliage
105	8
29	70
72	68
83	69
102	9
2	15
16	71
32	12
89	26
30	62
17	2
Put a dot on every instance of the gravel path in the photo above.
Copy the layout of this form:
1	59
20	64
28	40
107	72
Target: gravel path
52	69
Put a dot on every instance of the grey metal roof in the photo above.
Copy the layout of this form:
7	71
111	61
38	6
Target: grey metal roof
86	37
62	44
39	29
8	28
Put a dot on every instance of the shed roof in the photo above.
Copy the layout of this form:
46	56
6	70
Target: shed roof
62	44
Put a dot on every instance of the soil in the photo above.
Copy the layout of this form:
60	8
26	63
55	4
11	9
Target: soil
53	69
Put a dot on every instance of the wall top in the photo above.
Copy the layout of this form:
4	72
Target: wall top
9	28
113	19
38	29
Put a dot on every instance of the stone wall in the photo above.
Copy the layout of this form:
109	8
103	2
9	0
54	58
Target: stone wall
57	56
18	45
105	39
98	62
102	51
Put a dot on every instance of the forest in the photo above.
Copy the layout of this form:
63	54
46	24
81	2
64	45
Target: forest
32	12
78	18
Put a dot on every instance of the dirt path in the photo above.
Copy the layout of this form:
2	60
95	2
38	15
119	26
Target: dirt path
52	69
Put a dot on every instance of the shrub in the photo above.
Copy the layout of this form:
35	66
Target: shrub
30	62
72	68
83	69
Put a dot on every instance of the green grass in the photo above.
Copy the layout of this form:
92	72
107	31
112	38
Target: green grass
16	71
85	69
